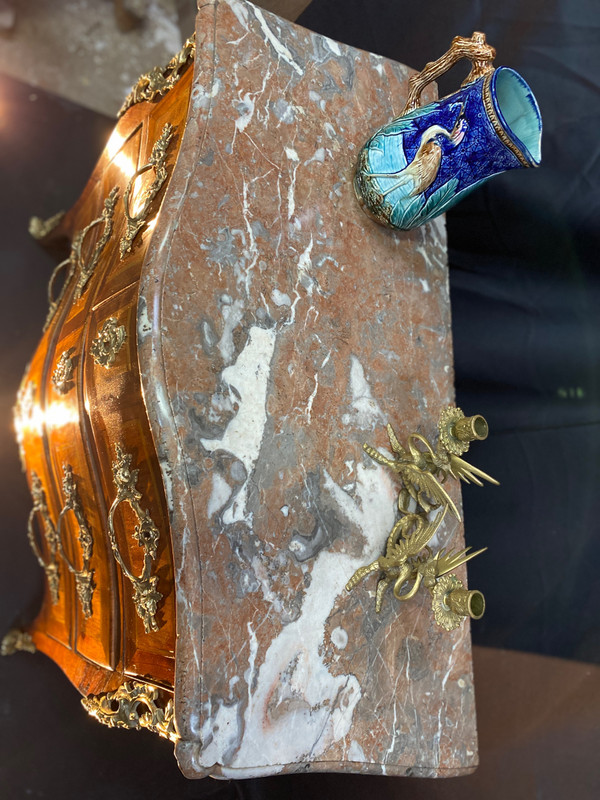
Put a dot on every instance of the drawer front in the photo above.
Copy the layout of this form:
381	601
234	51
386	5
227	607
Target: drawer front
105	547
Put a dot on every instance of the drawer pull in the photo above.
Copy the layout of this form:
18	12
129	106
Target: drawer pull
84	577
85	269
146	597
157	162
50	567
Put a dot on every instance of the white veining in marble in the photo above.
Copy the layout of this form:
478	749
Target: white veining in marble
232	313
367	413
332	45
201	98
220	732
280	298
339	637
243	435
221	492
355	752
280	48
293	689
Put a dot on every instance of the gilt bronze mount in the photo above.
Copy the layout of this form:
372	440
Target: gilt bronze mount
124	708
423	503
16	640
146	596
160	80
62	377
157	162
85	267
84	576
50	566
108	342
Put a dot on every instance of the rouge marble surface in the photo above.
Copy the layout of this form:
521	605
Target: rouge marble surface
279	329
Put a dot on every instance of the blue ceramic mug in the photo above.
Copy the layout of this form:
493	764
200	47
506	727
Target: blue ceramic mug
430	157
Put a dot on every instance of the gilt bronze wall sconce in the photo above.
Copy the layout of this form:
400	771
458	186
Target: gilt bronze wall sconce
408	557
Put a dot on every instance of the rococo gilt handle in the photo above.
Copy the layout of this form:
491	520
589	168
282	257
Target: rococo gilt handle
84	576
76	262
146	597
50	567
156	162
85	269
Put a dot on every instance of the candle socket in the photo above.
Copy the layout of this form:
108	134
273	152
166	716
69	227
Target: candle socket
466	603
470	429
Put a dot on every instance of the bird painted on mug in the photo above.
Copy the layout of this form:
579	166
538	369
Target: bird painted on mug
424	168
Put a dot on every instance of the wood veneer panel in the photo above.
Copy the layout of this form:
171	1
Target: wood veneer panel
103	407
66	445
113	399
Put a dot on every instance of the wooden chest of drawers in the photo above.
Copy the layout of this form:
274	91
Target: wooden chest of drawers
83	429
231	331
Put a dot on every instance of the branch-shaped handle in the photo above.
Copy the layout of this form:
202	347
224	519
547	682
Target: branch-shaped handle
475	49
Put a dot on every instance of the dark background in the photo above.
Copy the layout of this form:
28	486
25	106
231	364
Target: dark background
525	297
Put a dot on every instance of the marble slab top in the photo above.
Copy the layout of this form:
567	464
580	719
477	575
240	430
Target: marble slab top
279	329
